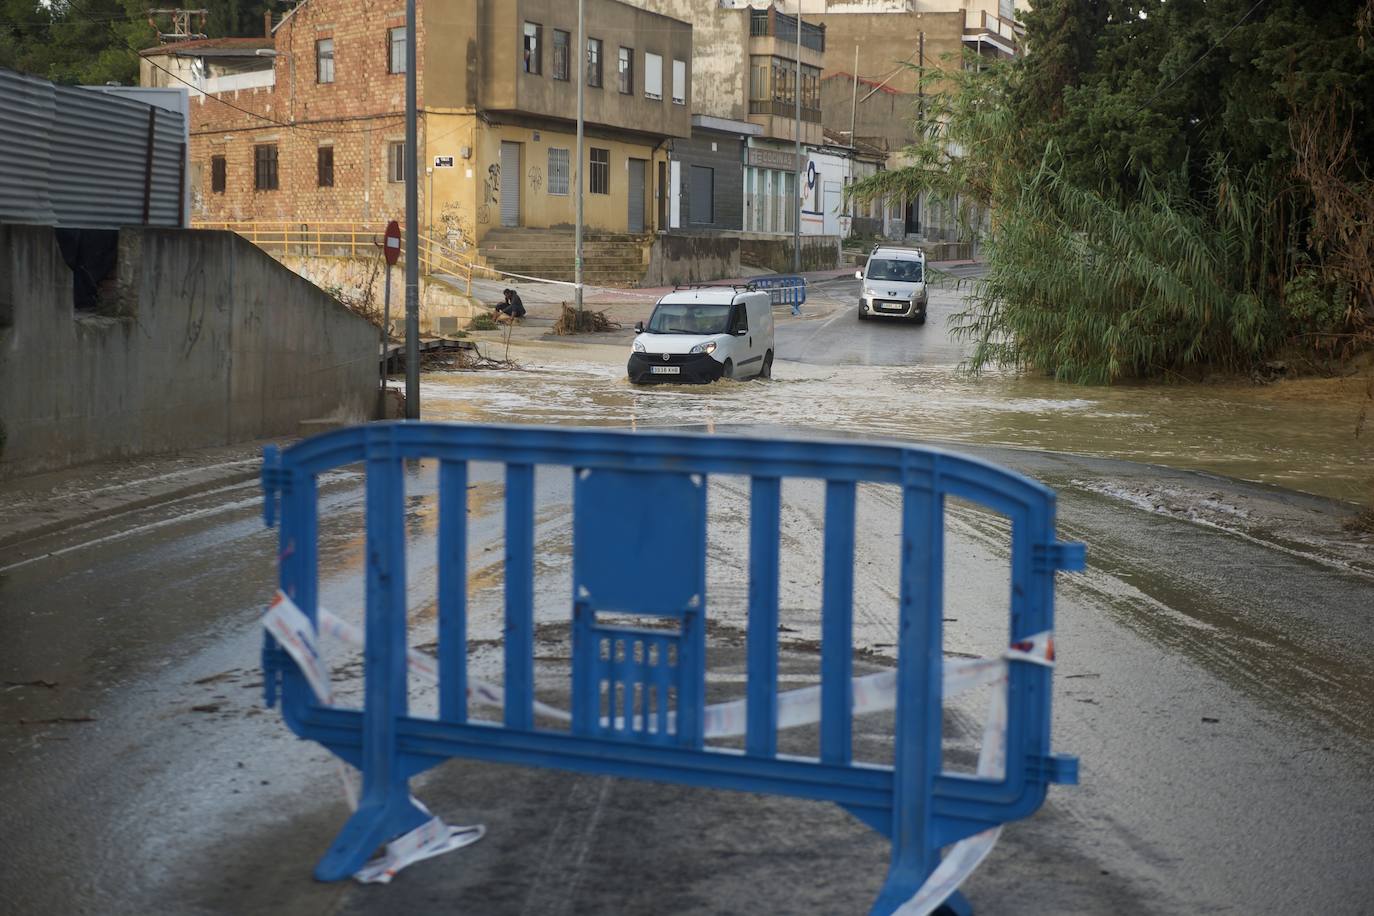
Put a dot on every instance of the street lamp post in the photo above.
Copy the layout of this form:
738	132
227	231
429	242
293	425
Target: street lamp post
412	228
581	159
796	204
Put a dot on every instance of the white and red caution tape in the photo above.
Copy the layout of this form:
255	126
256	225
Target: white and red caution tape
871	693
292	629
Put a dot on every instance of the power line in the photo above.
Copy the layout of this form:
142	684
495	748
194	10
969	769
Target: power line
1201	57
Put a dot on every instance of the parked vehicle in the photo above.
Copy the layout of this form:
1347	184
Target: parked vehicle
894	284
703	334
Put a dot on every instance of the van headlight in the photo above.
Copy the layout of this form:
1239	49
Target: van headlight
638	347
708	347
870	293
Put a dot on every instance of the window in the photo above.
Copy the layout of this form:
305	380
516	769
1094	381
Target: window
741	319
324	60
396	161
265	167
558	171
396	42
594	63
217	174
626	68
773	87
534	35
653	76
324	166
561	42
679	82
601	171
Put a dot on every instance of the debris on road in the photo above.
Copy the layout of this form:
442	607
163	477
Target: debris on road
586	321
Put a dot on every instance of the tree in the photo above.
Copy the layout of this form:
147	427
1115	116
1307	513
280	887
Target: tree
1156	208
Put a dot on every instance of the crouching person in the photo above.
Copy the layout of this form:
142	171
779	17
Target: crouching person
511	308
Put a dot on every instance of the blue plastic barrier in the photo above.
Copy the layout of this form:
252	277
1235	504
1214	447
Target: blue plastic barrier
785	290
626	560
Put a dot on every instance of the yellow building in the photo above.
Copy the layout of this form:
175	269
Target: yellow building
310	125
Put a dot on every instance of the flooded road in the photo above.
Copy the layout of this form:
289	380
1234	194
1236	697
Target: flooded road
1215	663
888	379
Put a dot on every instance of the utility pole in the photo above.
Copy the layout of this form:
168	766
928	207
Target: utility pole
854	98
796	206
581	157
412	228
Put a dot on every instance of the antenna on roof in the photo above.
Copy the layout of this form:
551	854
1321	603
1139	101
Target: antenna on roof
180	25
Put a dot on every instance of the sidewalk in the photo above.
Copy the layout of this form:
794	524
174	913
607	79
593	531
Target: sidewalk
39	505
544	301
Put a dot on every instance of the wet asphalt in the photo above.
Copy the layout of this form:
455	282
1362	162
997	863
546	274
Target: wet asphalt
1214	678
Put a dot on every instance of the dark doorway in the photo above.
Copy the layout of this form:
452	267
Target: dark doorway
701	196
913	217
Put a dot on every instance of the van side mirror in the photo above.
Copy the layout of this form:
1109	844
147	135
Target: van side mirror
858	274
740	332
639	327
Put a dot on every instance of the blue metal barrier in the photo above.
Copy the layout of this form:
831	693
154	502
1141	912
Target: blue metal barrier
785	290
627	561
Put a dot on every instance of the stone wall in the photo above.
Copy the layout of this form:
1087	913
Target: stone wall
200	339
686	258
361	281
819	252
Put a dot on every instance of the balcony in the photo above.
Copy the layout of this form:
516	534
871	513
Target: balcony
982	29
770	23
783	109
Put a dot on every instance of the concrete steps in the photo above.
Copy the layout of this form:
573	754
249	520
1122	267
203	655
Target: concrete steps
607	259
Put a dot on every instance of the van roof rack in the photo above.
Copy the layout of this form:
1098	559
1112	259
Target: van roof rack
679	287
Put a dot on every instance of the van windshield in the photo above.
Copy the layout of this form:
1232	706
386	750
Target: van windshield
689	318
898	271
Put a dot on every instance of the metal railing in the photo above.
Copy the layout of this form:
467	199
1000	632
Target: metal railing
343	239
783	27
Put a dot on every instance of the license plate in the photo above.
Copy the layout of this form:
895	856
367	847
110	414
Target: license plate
665	370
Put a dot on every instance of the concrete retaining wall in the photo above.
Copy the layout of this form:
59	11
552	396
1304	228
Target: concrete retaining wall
201	340
360	281
682	258
818	252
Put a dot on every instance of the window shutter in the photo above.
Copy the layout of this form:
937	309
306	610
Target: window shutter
653	76
679	82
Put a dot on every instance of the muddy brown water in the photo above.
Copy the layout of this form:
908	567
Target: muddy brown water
1300	435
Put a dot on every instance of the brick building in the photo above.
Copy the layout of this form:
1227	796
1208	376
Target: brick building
309	126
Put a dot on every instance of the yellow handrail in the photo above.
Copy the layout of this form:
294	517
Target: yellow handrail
341	238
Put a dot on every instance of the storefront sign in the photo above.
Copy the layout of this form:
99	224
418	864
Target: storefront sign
772	159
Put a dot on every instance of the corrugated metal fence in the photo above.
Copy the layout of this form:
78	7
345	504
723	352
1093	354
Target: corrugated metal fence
73	157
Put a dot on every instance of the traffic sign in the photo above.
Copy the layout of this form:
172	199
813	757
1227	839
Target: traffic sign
392	248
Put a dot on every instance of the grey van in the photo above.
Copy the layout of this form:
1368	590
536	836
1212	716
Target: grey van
894	284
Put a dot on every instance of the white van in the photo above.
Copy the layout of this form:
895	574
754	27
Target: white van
705	333
894	284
